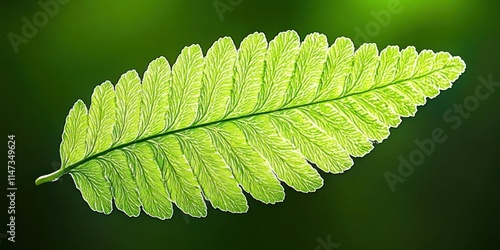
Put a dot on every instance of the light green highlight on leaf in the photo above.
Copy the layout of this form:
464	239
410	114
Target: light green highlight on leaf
178	177
123	186
212	172
249	168
287	163
217	81
248	73
336	69
96	191
155	89
101	119
279	66
308	68
75	132
186	86
152	192
128	108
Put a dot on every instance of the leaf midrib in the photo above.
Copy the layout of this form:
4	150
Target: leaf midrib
116	147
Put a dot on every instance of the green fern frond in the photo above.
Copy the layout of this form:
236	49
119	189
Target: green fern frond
246	119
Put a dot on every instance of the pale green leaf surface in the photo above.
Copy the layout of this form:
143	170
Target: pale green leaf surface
245	119
101	119
217	81
287	163
96	191
366	122
308	67
75	132
379	109
248	73
386	71
336	69
177	175
123	186
361	77
279	66
152	192
128	108
249	168
212	172
339	127
187	73
155	89
311	141
407	64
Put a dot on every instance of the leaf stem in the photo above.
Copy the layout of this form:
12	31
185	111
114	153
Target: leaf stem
50	177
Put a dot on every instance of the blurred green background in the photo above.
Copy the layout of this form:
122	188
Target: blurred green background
451	201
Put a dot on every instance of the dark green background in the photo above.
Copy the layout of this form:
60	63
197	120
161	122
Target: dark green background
451	201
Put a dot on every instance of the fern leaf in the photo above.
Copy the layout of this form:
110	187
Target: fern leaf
244	119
